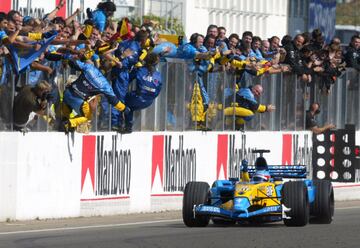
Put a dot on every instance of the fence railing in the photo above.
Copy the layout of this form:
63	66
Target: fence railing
176	107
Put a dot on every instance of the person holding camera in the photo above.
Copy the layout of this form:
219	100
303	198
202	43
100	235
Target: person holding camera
311	123
30	102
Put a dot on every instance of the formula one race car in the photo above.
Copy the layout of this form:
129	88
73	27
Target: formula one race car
260	201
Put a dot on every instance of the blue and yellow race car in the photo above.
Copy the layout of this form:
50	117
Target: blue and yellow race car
260	196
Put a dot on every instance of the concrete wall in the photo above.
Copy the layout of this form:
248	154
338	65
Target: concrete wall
53	175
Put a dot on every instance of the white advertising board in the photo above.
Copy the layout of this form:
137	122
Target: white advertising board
53	175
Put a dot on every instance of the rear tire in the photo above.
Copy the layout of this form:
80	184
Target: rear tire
322	209
195	193
295	197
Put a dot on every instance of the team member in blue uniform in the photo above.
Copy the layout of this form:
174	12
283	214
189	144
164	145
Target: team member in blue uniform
148	87
6	37
120	75
245	105
197	51
91	82
100	15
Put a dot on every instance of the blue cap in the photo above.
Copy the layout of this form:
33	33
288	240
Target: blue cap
27	19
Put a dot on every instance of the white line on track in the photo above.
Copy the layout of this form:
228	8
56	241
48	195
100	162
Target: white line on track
89	227
112	225
344	208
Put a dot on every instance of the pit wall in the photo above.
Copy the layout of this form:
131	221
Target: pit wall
53	175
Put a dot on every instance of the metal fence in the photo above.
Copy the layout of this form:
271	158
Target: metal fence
174	108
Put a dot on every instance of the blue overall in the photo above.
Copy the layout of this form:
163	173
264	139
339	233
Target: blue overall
148	88
99	19
121	78
91	82
199	67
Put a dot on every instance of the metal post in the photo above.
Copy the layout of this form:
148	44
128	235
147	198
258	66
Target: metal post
166	95
184	98
141	11
28	7
234	100
166	12
223	100
171	15
82	11
281	99
358	108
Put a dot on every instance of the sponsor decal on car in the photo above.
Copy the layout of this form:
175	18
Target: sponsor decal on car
210	209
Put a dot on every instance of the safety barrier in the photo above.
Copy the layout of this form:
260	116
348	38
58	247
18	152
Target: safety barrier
53	175
179	108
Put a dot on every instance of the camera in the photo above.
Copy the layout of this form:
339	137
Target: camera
46	96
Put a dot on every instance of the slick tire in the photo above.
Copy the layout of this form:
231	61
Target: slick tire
295	197
195	193
322	209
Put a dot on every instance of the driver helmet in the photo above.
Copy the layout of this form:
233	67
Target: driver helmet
261	176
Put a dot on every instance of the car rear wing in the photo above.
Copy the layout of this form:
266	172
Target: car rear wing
284	171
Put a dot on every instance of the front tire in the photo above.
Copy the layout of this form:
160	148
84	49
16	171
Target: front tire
323	207
295	197
195	193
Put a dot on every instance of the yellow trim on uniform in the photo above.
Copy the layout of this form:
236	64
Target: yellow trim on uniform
261	108
87	114
245	177
120	106
88	54
88	30
239	63
143	55
35	36
238	111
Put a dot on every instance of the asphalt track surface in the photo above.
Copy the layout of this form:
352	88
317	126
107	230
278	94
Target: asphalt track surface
167	230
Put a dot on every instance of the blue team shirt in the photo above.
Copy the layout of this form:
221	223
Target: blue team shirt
99	19
134	46
92	82
3	36
148	85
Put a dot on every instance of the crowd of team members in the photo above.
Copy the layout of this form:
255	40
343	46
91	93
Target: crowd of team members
109	56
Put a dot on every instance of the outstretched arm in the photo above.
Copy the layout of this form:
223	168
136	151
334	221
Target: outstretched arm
319	130
53	13
244	171
72	17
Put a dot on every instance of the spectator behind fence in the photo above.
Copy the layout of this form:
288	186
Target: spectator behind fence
352	54
294	59
30	99
103	11
105	44
311	123
221	36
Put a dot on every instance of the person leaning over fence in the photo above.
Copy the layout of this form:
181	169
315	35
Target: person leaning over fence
100	16
78	95
245	105
148	87
120	74
312	124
